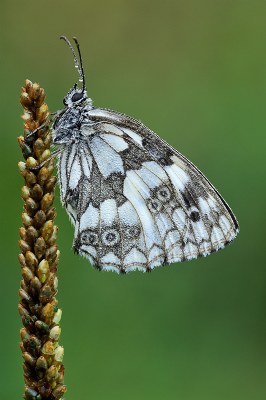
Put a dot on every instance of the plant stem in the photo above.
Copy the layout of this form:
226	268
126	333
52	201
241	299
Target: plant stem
43	368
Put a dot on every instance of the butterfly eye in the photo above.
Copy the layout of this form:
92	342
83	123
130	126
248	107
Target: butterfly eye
77	96
64	101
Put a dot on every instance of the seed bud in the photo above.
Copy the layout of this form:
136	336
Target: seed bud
47	230
22	168
40	247
31	260
43	270
48	348
45	155
55	332
25	192
59	353
57	316
26	219
31	162
47	201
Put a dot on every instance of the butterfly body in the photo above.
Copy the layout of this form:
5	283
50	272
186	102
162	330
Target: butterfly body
135	202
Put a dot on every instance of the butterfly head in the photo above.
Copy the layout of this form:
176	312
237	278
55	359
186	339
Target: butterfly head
76	96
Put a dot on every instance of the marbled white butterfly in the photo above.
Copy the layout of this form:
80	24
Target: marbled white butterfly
135	202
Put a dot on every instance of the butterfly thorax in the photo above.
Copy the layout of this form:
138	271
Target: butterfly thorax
67	124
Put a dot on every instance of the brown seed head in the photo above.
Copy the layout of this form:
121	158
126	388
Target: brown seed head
43	356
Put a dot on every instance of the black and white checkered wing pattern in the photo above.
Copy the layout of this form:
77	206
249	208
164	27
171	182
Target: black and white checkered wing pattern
136	203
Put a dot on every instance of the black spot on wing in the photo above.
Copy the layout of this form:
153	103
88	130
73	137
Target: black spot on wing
188	199
194	216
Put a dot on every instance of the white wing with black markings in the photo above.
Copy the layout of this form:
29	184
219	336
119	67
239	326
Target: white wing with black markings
136	202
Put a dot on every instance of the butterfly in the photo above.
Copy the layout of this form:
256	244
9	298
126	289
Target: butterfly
135	202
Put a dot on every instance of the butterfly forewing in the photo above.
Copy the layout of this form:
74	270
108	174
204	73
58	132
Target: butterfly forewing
137	203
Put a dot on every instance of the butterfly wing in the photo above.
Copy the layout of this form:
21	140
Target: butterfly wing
136	202
74	173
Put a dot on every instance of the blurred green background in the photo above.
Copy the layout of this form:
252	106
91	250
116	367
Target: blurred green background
195	72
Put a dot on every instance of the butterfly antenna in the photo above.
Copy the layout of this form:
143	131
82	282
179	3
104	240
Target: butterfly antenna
81	64
77	64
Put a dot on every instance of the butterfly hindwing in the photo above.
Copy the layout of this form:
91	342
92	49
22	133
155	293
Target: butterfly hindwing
135	202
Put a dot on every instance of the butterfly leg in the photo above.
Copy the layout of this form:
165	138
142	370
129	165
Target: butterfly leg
31	136
53	155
